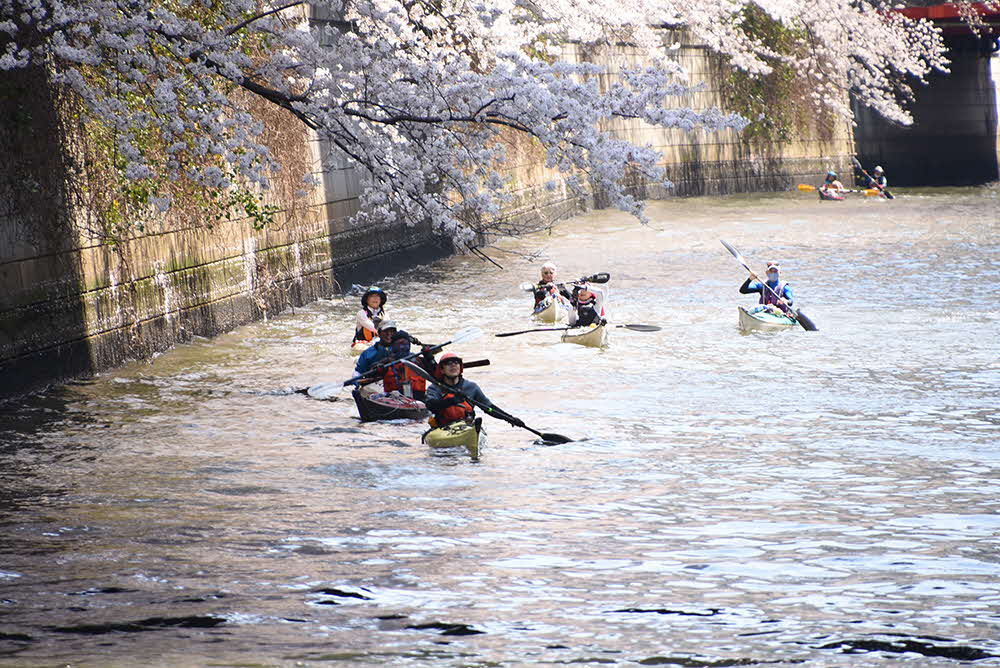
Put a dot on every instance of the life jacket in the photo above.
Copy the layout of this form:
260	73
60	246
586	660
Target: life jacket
543	290
363	334
768	297
402	379
455	413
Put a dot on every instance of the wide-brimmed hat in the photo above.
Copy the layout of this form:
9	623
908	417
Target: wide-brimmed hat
374	290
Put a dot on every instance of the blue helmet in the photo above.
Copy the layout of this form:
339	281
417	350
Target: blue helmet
374	290
831	174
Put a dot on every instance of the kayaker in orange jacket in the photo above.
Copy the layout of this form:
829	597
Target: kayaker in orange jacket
398	377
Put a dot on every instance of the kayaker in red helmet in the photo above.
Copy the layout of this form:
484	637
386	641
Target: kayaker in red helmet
447	406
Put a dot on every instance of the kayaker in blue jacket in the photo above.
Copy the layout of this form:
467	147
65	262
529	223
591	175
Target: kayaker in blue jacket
379	351
777	299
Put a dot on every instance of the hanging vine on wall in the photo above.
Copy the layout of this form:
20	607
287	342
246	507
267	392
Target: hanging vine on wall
777	103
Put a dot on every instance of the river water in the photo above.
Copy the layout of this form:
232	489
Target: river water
823	498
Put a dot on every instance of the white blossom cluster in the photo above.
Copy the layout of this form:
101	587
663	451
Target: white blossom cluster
419	93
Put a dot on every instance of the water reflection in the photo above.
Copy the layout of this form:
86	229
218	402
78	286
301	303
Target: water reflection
823	498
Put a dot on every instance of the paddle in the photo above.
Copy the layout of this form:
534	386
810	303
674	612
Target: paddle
326	391
800	317
884	191
602	277
461	336
494	411
634	328
805	187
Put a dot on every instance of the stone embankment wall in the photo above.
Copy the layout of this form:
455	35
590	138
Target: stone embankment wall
72	305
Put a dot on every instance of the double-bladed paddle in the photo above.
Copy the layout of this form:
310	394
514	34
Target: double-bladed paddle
602	277
879	189
634	328
461	336
868	191
329	391
800	317
490	410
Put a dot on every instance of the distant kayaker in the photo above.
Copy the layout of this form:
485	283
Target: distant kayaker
400	378
547	285
588	306
371	314
831	183
877	179
449	407
775	297
379	350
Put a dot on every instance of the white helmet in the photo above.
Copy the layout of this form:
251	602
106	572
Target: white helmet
878	169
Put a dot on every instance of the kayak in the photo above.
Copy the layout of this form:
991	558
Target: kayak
595	336
764	321
551	309
359	347
469	435
374	405
830	195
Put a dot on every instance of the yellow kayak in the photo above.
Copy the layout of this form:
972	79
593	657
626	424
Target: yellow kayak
456	434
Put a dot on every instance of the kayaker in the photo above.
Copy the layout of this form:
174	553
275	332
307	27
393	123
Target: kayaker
379	350
400	378
588	306
371	314
877	179
447	406
832	184
777	299
548	286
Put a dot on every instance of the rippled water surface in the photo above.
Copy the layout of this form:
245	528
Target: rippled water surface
819	498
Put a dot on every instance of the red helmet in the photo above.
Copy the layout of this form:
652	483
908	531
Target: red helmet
452	356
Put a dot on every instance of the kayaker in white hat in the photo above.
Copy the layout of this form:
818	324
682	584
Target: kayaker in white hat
776	297
548	285
878	179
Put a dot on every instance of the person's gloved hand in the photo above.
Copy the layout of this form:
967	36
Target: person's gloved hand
517	422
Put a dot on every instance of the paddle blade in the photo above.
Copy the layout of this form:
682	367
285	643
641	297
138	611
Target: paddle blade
732	250
324	391
805	187
467	334
527	287
602	277
871	192
640	328
805	321
554	439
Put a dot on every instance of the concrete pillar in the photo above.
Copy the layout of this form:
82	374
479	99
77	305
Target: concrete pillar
953	139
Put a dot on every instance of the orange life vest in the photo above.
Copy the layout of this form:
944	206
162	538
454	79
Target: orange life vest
397	374
453	413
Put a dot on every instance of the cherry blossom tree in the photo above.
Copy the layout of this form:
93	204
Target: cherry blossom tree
418	94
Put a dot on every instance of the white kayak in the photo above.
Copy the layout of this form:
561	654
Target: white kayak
551	309
764	321
595	336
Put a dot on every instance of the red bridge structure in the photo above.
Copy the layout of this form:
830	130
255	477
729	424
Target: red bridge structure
953	139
